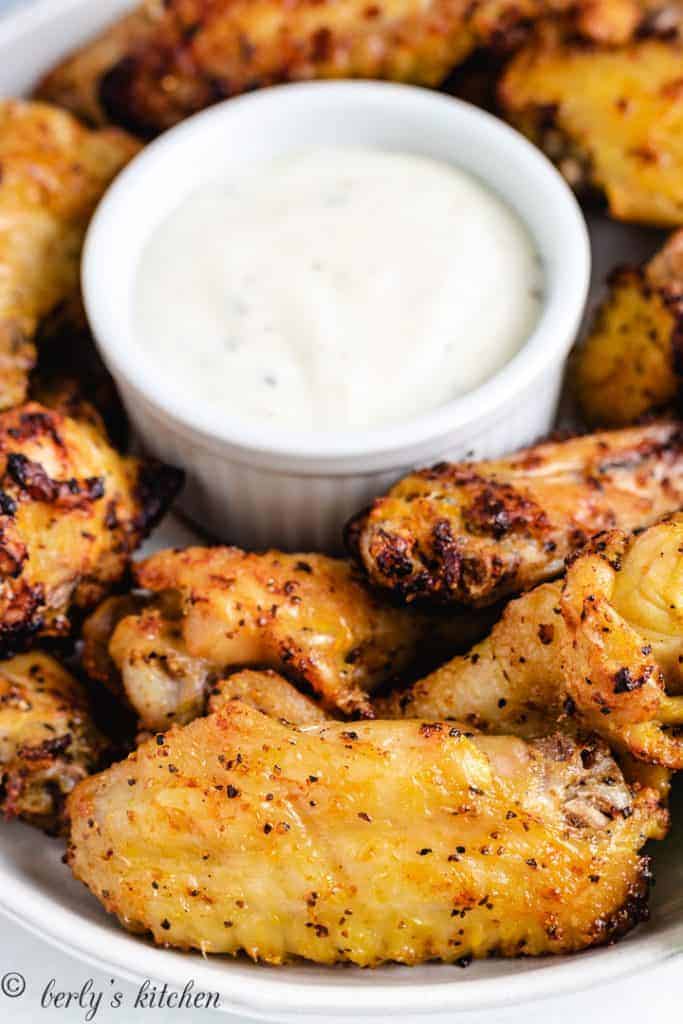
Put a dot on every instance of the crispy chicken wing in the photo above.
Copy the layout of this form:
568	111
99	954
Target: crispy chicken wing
623	658
600	653
612	119
402	841
166	61
72	511
48	741
631	360
170	60
54	171
475	532
217	609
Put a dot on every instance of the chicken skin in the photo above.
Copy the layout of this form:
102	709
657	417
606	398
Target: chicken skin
612	119
54	171
392	841
510	683
476	532
48	741
216	609
72	511
269	693
632	358
601	652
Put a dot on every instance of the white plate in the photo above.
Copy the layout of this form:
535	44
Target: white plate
37	891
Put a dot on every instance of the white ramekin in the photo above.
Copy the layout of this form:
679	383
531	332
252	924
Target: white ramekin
256	485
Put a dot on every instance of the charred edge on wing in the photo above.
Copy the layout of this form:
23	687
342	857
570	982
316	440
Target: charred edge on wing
156	488
22	619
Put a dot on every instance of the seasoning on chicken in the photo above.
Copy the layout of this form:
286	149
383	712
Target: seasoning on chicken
389	841
48	741
269	693
600	653
54	171
612	119
510	683
631	361
72	511
476	532
216	609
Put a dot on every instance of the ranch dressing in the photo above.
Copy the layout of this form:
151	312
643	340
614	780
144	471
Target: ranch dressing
337	288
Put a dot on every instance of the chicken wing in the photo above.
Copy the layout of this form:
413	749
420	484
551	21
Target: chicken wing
611	119
476	532
401	841
72	511
632	358
54	171
624	652
48	741
601	652
217	609
170	60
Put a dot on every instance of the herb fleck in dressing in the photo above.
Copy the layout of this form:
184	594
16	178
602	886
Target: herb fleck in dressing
337	288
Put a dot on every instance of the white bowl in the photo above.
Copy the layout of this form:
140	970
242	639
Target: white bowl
259	485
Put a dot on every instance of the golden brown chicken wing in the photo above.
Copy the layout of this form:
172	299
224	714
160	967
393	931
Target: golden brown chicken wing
611	119
48	741
631	360
623	607
166	61
475	532
72	511
215	609
402	841
173	59
54	171
601	652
